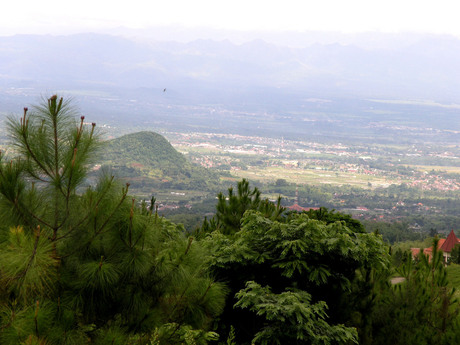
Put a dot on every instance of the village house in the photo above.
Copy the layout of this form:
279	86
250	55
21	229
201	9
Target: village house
445	245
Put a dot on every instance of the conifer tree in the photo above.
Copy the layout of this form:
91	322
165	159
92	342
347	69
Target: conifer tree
422	309
231	208
82	265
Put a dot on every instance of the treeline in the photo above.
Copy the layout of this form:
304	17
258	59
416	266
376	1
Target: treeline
93	267
400	204
347	196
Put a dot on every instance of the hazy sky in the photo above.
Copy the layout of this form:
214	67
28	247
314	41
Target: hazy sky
64	16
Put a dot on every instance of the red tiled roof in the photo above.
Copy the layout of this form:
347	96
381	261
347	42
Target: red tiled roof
427	251
297	207
415	251
450	242
441	242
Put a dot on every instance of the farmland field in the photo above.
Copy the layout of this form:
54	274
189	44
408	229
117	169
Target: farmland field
310	176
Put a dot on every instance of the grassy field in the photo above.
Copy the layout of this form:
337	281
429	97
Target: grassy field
448	169
310	176
175	196
453	272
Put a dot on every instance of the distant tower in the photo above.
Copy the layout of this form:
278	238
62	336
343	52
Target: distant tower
296	194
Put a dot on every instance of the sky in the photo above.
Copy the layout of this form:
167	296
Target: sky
346	16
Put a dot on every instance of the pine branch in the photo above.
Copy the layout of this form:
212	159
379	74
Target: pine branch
23	132
22	274
38	219
125	193
99	231
89	212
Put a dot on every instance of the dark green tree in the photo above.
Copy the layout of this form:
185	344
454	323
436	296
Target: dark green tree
331	216
230	208
290	279
422	308
455	255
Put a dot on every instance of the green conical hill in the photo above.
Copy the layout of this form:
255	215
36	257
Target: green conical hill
148	158
147	149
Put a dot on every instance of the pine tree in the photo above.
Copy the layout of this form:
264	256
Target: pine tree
422	309
40	209
82	263
231	208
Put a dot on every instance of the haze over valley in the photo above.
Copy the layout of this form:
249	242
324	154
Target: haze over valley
321	90
362	111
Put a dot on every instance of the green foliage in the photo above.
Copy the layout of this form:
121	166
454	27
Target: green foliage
453	273
291	317
423	308
303	254
231	208
148	159
135	146
394	232
173	333
323	214
84	264
23	274
455	255
231	336
405	246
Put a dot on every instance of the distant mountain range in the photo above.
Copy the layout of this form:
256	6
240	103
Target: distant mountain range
425	68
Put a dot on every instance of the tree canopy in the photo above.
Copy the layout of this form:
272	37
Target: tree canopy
309	260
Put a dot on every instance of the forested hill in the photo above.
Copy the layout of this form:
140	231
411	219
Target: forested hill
147	159
145	148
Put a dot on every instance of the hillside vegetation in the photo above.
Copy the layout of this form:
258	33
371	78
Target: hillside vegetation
149	161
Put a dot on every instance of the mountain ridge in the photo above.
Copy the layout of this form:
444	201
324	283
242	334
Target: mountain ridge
414	70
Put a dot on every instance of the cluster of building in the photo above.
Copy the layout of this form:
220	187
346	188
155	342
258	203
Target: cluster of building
435	182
